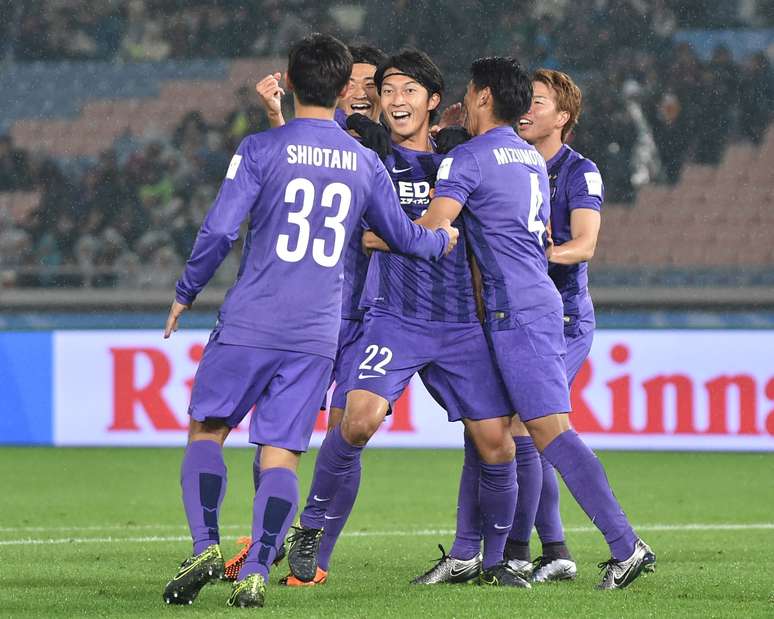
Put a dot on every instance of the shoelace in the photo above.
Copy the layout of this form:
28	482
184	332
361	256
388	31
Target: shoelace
607	565
306	539
443	557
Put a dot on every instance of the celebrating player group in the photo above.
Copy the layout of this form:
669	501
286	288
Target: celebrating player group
386	240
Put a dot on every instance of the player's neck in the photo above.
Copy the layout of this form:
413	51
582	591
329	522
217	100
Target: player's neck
313	111
489	124
419	141
549	145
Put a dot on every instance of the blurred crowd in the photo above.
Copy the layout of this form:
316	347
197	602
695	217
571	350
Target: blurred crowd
129	218
126	219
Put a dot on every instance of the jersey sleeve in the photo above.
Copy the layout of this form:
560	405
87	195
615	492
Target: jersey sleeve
387	219
459	175
584	187
220	228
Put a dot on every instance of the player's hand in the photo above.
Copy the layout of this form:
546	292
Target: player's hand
374	135
372	242
271	93
452	115
175	312
549	241
454	235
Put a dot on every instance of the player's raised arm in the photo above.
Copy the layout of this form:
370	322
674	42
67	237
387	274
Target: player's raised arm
270	94
585	203
385	215
218	231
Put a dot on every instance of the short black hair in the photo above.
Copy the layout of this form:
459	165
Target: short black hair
367	54
418	65
509	82
319	67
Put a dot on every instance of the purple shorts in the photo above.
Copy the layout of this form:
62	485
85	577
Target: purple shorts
531	361
285	387
578	348
453	361
350	333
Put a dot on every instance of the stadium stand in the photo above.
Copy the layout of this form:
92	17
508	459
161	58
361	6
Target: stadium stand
115	139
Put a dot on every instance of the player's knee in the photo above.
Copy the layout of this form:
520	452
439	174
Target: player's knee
357	429
499	453
494	444
364	414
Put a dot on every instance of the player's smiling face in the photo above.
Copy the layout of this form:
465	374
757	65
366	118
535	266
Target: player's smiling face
406	104
542	119
362	97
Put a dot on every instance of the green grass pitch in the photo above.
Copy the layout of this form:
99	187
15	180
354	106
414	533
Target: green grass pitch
98	532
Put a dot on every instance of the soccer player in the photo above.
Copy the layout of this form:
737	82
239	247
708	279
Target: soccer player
361	98
421	318
576	200
305	187
499	183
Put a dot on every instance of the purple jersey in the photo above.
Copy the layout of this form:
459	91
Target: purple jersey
355	259
340	116
575	182
305	187
502	183
355	270
411	287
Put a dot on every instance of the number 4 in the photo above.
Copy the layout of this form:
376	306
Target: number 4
534	223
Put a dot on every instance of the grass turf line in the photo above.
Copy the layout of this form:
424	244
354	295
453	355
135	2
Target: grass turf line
710	573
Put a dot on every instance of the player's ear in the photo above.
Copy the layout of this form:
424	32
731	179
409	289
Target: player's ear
433	102
562	119
288	83
484	96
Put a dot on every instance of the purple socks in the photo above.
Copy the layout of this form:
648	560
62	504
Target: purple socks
585	478
548	521
274	508
203	482
497	500
467	542
333	491
336	460
337	514
529	475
